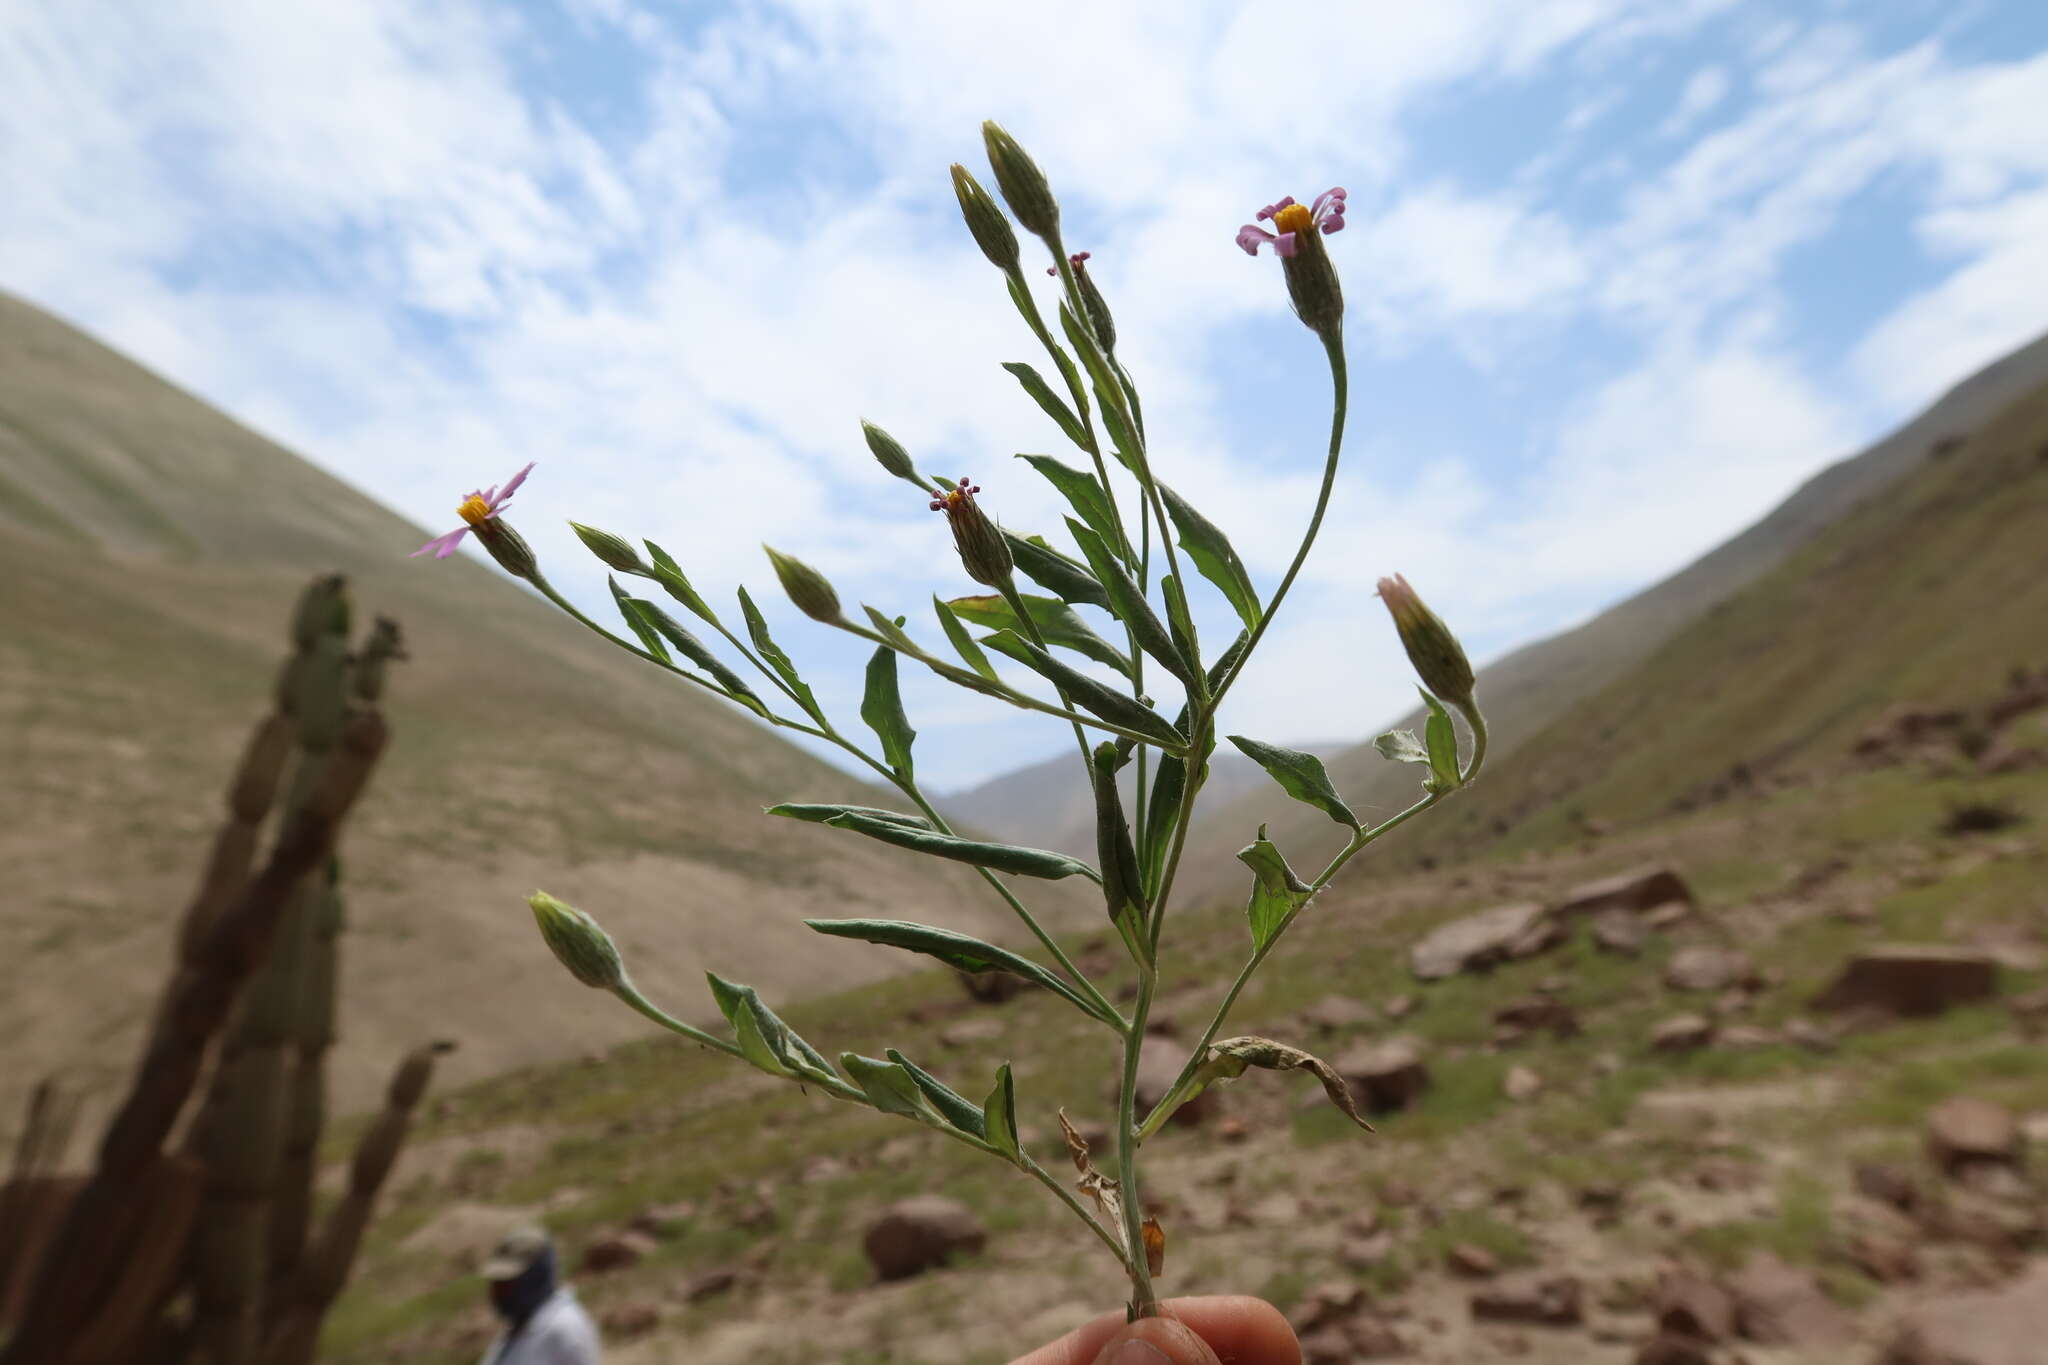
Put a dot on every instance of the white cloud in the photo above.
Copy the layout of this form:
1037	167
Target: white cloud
1703	92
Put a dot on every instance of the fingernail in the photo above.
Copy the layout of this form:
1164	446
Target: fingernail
1135	1353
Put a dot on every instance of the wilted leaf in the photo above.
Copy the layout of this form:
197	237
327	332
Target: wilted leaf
1227	1059
1155	1246
1401	746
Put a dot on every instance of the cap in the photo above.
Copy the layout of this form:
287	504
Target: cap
519	1249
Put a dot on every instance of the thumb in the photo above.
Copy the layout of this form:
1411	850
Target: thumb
1156	1341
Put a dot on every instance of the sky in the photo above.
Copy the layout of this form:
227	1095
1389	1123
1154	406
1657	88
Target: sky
1619	274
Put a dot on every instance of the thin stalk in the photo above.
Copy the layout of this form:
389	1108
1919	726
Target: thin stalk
1144	1303
1066	1197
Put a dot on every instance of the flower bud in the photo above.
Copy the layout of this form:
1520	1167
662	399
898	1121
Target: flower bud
1094	305
323	609
889	452
1438	657
612	550
1312	285
992	231
1123	886
806	587
1022	183
385	644
508	547
586	950
983	550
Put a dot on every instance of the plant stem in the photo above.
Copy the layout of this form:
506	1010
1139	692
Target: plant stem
1066	1197
1144	1304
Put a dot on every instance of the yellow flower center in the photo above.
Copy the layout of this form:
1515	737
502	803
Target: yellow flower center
1293	218
474	510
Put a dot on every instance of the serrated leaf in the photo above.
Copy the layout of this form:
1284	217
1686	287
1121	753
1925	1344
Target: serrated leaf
1229	1059
824	813
1088	694
963	642
1055	620
771	653
1054	572
1300	775
1128	604
1440	739
670	576
629	610
952	1106
955	949
1012	858
1401	746
1054	406
1083	492
888	1086
691	648
881	707
1276	891
999	1116
1213	556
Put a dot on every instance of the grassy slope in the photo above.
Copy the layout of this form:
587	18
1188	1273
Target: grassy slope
151	550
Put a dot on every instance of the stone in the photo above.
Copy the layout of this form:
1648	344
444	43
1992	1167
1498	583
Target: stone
2030	1011
1538	1012
708	1284
1620	931
1665	915
1330	1346
1233	1129
991	988
1330	1302
1780	1305
2001	1326
1399	1007
1520	1083
1882	1256
624	1321
1964	1130
1385	1076
1478	941
1670	1350
1532	1297
1814	1037
1159	1066
617	1251
1363	1253
1704	967
1463	1258
1638	889
1691	1305
921	1233
1335	1013
1682	1033
663	1221
1911	980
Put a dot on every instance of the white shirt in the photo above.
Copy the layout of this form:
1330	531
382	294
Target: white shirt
558	1333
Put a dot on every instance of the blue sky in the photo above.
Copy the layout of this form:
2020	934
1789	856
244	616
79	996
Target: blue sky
1620	274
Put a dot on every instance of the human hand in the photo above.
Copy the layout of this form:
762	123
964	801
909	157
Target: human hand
1222	1330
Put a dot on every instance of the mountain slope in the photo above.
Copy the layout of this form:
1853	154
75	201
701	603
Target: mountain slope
151	549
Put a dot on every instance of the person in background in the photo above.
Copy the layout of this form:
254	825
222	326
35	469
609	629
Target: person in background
544	1325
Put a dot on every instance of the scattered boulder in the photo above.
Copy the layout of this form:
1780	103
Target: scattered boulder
624	1321
1331	1302
1665	1349
1888	1185
1386	1076
1640	889
617	1251
1620	931
1335	1013
1886	1258
1704	967
1911	980
1963	1131
1781	1305
1749	1036
2002	1326
1474	1262
1478	941
1665	915
991	988
921	1233
1691	1305
1532	1297
1159	1066
708	1284
1400	1007
1682	1033
1521	1083
1514	1021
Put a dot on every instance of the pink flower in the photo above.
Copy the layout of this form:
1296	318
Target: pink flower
1326	215
476	509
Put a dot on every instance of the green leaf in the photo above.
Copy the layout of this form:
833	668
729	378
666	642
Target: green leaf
819	814
952	1106
888	1086
954	949
999	1116
1213	556
1128	604
629	608
691	648
1401	746
963	643
1090	695
1083	492
1055	406
1179	620
1055	620
1300	775
1276	891
1441	740
882	708
1023	862
764	1039
890	628
1228	1059
671	578
757	629
1053	571
1109	394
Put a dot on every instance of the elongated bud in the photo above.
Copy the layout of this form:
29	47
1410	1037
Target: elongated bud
1023	185
508	547
612	550
983	550
806	587
1312	285
992	231
586	950
1438	657
323	609
1122	887
889	452
1092	303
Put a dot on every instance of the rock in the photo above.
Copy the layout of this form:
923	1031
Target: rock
1531	1297
1538	1012
1478	941
1233	1129
2002	1326
1385	1076
1521	1083
919	1233
991	988
1749	1036
1888	1185
1994	1178
1814	1037
1911	980
1400	1007
1691	1305
1670	1350
1682	1033
1640	889
1362	1253
1374	1339
1882	1256
663	1221
1159	1066
707	1284
1602	1203
1703	967
616	1252
2030	1011
623	1321
1463	1258
1665	915
1335	1013
1964	1130
1779	1305
1330	1346
1330	1302
1620	931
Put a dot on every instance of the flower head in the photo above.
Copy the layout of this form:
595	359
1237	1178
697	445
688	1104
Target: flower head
1438	657
476	509
1325	215
980	542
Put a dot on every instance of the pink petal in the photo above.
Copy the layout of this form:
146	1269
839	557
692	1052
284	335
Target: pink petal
442	546
1284	244
1250	239
501	498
